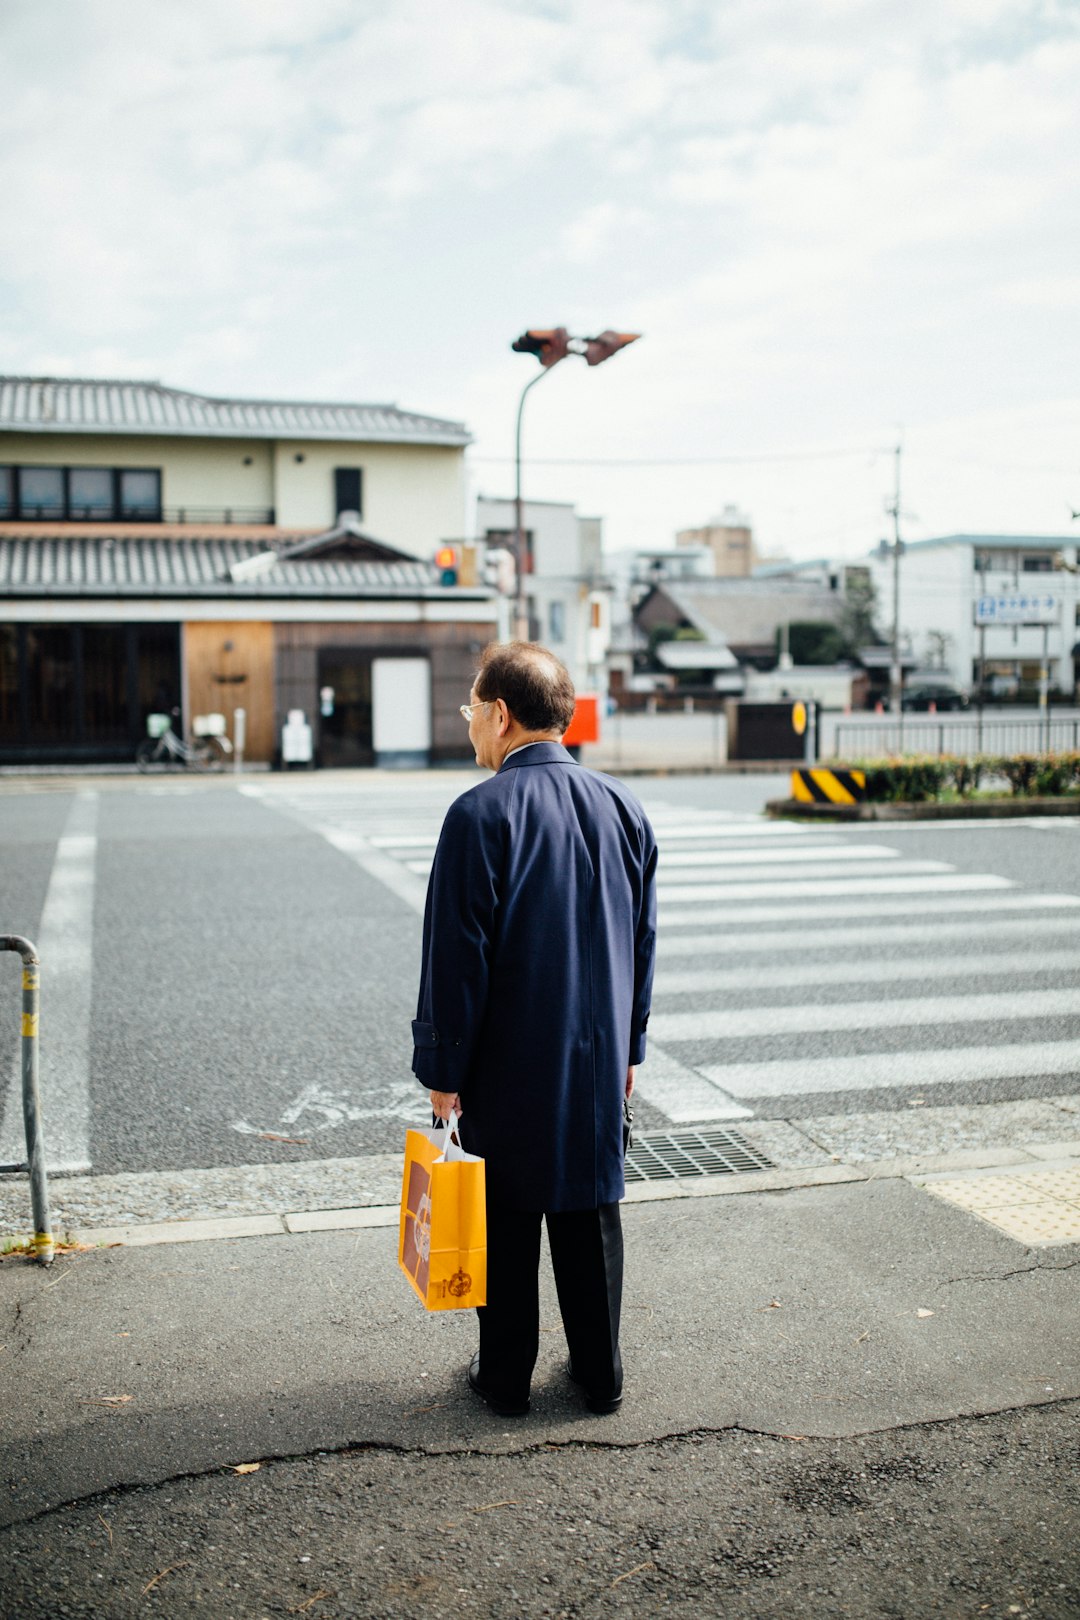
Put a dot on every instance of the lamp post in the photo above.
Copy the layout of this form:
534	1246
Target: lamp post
549	346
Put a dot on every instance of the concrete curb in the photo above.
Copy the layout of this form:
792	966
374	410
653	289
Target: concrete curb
909	1167
963	810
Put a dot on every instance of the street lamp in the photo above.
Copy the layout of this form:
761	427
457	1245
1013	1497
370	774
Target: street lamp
549	345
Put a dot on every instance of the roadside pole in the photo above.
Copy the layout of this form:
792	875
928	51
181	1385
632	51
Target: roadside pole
35	1148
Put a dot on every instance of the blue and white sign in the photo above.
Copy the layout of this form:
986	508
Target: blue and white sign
1036	607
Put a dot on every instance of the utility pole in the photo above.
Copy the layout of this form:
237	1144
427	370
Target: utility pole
895	673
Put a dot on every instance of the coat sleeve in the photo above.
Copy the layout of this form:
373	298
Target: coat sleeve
459	932
644	947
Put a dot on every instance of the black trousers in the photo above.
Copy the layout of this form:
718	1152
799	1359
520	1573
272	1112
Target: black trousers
587	1259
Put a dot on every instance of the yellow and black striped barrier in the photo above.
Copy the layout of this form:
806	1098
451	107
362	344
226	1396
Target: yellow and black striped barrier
818	785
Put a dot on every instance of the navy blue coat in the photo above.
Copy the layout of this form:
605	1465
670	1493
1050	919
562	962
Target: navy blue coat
539	939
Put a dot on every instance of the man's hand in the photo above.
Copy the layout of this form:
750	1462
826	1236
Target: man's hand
445	1103
630	1073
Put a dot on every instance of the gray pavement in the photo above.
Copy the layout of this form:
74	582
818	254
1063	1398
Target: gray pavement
803	1316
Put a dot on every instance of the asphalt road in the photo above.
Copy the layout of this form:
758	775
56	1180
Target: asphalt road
974	1519
252	954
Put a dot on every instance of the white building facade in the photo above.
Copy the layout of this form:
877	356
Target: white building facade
567	590
942	581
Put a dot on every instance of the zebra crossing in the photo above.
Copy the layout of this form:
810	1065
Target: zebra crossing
802	962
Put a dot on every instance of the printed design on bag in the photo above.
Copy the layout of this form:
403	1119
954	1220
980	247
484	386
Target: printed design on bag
459	1285
416	1252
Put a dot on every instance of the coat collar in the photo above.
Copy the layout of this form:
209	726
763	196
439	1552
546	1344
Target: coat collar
541	753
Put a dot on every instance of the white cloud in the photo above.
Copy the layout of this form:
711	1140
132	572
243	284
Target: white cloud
823	218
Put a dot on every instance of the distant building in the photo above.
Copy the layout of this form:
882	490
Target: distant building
941	582
101	629
729	538
160	548
567	587
746	615
85	451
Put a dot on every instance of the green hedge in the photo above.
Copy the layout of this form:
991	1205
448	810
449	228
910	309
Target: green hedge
917	778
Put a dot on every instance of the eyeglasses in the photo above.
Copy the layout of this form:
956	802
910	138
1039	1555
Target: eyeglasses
469	709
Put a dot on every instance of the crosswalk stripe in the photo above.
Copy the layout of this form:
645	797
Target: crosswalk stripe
681	1093
812	1018
766	831
827	910
776	857
912	1069
65	945
895	936
791	888
858	970
392	841
751	872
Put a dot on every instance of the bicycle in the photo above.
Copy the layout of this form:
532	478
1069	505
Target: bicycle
168	752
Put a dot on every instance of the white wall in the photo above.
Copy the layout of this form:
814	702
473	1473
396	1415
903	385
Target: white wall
194	472
413	495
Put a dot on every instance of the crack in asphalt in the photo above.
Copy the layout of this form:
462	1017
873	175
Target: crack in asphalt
353	1448
1020	1271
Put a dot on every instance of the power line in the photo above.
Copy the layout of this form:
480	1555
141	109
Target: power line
685	461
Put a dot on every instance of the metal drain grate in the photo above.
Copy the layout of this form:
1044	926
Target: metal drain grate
692	1153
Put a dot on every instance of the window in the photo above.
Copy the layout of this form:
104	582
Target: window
1039	562
86	494
90	493
557	621
348	490
41	492
140	494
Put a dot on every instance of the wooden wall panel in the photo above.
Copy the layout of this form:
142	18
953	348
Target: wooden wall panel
251	655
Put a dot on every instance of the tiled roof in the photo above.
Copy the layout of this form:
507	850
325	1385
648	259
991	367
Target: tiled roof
128	567
54	529
742	611
107	405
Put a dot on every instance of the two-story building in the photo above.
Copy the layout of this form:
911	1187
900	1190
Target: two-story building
567	586
162	548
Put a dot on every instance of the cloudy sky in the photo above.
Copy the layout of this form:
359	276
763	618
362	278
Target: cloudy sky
837	223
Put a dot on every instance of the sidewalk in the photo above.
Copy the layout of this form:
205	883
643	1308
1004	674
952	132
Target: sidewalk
786	1350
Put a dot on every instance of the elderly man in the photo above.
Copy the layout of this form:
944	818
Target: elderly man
539	939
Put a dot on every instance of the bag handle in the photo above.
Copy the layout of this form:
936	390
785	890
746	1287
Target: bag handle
451	1149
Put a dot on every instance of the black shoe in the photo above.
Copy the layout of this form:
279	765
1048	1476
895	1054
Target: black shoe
601	1404
499	1404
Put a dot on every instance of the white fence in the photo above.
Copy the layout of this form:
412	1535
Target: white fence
965	735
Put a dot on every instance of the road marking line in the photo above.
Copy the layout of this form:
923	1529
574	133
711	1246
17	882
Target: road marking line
896	936
825	909
911	1070
776	857
857	970
767	831
392	874
65	943
788	887
751	872
814	1017
682	1093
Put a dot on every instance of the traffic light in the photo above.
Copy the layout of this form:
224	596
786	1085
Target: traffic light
608	343
549	347
447	561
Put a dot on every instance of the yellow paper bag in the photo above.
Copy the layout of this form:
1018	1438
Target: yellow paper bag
442	1237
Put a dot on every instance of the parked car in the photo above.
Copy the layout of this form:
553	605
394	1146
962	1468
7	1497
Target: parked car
938	694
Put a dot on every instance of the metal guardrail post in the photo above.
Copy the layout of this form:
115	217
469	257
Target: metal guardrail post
35	1148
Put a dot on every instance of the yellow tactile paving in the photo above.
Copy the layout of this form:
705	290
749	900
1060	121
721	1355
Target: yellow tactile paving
1033	1206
